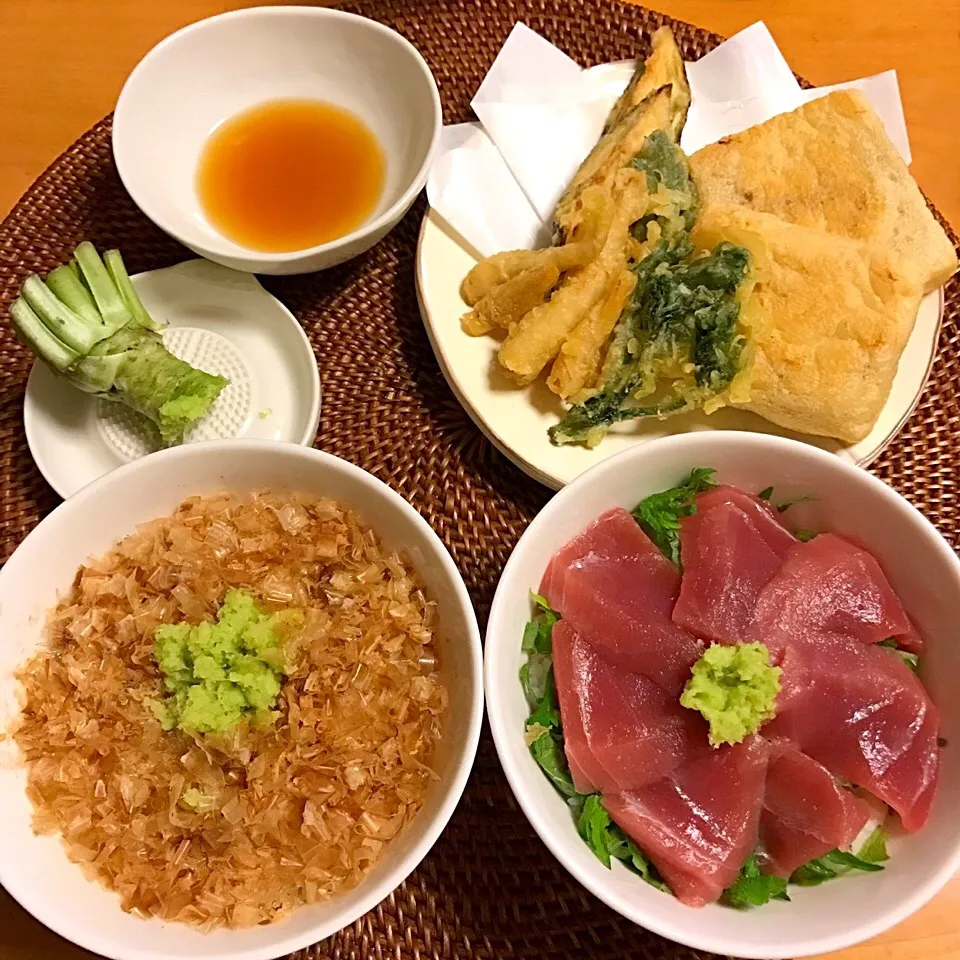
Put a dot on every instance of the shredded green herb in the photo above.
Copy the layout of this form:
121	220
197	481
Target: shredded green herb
754	888
659	514
836	863
910	659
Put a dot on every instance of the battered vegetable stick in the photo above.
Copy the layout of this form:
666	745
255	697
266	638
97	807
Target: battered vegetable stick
613	152
585	242
663	66
538	337
578	362
507	303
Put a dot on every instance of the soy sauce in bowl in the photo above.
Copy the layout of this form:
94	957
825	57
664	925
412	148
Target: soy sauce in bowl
290	174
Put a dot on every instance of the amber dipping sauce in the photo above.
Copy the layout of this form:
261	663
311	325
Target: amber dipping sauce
290	174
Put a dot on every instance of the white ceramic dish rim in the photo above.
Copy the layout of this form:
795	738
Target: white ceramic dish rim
47	913
920	896
52	475
389	215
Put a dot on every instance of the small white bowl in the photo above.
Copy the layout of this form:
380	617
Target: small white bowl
35	870
207	72
925	573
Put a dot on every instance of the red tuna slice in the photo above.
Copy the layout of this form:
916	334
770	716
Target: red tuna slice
623	731
618	595
731	547
831	585
622	608
698	825
568	670
866	717
764	517
806	812
613	534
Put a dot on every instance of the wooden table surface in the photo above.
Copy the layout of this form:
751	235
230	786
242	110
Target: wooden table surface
64	62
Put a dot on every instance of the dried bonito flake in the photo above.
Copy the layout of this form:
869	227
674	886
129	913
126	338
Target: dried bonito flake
241	828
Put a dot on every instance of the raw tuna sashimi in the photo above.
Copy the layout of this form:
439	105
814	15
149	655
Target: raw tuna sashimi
865	716
613	534
806	812
617	591
587	773
620	729
731	547
831	585
698	825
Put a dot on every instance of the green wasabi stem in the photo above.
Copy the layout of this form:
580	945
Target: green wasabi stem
68	327
735	689
65	284
151	380
109	301
121	280
88	324
37	336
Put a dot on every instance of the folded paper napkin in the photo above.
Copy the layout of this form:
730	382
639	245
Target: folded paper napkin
496	182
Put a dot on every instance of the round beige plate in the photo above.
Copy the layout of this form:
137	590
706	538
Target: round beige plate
516	421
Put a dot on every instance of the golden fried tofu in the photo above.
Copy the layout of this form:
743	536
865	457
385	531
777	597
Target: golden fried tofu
830	166
826	323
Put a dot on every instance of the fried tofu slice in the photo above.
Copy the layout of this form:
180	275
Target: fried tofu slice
826	323
829	165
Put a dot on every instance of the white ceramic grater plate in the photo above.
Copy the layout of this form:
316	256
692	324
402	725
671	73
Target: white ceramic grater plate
221	321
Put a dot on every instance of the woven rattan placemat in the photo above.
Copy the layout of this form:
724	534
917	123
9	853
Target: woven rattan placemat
490	888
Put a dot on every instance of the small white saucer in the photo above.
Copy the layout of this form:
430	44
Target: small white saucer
220	320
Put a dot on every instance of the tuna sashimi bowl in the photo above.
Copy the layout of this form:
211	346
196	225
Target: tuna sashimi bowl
728	669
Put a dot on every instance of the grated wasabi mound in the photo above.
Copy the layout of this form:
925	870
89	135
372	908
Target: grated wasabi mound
735	689
220	673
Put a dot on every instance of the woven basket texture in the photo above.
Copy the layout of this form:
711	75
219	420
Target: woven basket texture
489	889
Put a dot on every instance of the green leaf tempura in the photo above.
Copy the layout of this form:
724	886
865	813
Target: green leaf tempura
680	326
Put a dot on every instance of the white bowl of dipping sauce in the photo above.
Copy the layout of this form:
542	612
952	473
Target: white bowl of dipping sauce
207	76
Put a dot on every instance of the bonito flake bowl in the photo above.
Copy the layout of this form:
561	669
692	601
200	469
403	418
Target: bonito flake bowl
35	870
925	573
